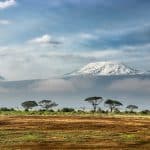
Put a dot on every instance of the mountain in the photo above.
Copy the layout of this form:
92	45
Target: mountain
71	90
2	78
106	69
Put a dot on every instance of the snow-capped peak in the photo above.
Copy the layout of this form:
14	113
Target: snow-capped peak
106	68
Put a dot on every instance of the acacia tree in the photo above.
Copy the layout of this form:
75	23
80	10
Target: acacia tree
94	101
47	104
29	105
112	104
132	107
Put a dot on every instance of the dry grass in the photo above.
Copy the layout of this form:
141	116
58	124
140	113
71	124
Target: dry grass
74	132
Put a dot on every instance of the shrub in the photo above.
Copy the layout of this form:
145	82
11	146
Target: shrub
6	109
68	110
101	110
145	112
51	110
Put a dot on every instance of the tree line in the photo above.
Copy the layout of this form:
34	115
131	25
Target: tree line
48	105
45	104
113	105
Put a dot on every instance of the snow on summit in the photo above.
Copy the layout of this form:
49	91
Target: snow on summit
106	68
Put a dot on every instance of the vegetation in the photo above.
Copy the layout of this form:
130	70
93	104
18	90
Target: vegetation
29	105
67	110
145	112
113	104
77	132
94	101
6	109
46	128
132	107
47	104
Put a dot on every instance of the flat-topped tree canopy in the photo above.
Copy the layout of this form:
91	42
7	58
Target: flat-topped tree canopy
95	101
132	107
47	104
29	104
112	104
93	98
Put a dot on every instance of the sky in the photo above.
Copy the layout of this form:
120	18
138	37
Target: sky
42	39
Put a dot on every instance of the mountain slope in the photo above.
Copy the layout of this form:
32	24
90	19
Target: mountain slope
2	78
106	68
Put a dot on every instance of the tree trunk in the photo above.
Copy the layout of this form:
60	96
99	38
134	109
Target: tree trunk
111	109
94	108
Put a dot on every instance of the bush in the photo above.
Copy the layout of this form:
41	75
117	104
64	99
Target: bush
130	112
6	109
68	110
51	110
101	111
41	110
126	112
145	112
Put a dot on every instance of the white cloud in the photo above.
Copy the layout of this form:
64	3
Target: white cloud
7	3
44	39
5	22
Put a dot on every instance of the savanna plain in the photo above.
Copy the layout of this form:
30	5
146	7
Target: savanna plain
74	131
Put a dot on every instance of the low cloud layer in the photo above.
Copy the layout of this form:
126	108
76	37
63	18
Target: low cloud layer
53	86
131	86
74	90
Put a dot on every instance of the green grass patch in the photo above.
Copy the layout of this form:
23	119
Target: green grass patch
128	137
13	137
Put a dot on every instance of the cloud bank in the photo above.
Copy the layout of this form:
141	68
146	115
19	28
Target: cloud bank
131	86
7	3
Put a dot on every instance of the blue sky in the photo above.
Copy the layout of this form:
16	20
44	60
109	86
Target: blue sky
40	39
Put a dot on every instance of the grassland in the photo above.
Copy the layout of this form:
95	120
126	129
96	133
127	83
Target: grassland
37	132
